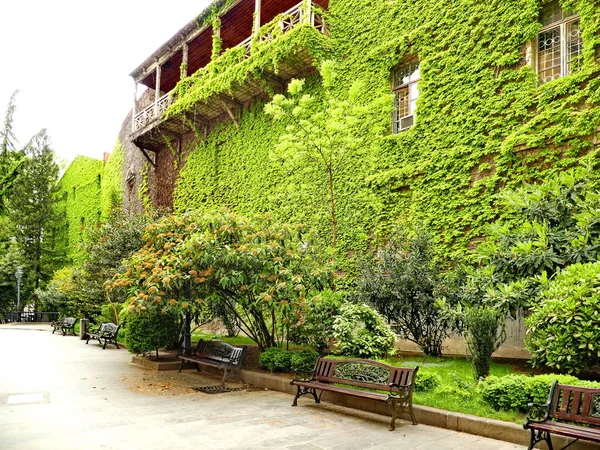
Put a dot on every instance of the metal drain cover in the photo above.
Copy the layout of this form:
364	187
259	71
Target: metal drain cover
218	389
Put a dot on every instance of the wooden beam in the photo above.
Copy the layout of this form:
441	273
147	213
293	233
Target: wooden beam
143	150
133	111
230	112
157	91
184	60
256	25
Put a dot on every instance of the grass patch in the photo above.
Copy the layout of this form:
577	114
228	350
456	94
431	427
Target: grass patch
236	340
457	390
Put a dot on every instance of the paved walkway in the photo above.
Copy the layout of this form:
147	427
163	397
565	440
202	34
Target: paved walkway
58	393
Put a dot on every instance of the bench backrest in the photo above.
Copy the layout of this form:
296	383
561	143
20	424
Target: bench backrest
220	351
574	403
363	373
68	321
108	329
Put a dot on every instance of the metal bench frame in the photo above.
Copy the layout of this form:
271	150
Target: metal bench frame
216	354
366	374
574	404
66	324
108	332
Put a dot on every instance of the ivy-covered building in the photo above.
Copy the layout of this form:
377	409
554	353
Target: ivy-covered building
482	96
87	191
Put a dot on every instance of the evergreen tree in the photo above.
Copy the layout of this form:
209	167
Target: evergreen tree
10	158
11	257
31	211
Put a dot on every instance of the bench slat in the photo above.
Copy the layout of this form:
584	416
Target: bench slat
564	429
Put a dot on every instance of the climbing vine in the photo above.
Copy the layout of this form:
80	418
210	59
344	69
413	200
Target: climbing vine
483	122
112	180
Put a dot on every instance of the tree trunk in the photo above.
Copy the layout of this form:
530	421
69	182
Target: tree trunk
332	210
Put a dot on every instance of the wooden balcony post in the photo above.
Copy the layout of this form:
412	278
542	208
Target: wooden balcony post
257	8
133	111
184	60
307	11
157	92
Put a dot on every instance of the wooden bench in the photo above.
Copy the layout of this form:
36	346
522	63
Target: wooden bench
574	404
366	375
108	332
216	354
67	324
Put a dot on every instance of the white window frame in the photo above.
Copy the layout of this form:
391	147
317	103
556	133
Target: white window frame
409	83
563	25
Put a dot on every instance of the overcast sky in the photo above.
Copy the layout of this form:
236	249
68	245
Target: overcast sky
71	61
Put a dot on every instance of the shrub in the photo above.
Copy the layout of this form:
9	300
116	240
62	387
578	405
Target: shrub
360	331
485	333
427	382
276	359
151	330
564	327
316	318
303	361
401	282
517	391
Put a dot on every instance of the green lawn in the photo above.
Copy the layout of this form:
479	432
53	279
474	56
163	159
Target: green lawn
236	340
457	391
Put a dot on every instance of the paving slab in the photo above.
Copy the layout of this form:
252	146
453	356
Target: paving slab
59	393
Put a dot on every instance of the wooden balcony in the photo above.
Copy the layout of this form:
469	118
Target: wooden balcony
169	117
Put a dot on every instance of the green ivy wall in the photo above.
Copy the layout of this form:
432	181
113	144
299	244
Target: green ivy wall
112	180
483	124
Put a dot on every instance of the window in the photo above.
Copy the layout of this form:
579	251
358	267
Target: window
559	43
404	85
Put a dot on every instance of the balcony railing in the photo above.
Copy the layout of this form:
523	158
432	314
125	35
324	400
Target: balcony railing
283	24
152	112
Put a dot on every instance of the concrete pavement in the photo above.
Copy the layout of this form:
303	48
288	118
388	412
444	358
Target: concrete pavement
59	393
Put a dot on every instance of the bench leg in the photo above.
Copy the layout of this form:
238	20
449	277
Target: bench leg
117	344
539	436
225	372
104	346
180	366
304	391
394	411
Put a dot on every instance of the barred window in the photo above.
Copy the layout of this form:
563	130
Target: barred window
559	43
404	84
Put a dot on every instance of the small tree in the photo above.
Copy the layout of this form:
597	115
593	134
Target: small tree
401	283
323	137
258	270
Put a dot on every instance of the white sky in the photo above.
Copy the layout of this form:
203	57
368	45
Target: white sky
71	59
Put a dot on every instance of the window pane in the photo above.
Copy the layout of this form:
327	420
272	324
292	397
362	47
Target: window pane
574	46
405	74
553	13
549	55
402	102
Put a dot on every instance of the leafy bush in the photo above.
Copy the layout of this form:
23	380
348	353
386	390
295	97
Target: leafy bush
426	382
517	391
360	331
401	283
151	330
316	318
276	359
564	327
484	334
303	361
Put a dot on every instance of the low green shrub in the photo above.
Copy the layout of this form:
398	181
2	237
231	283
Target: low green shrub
360	331
151	330
564	327
303	361
427	382
276	359
515	392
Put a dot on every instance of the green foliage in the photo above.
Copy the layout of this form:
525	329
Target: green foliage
151	330
360	331
564	326
484	329
483	123
303	361
427	382
516	391
10	158
316	318
401	283
31	213
276	359
104	250
78	205
11	257
257	269
112	181
324	130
